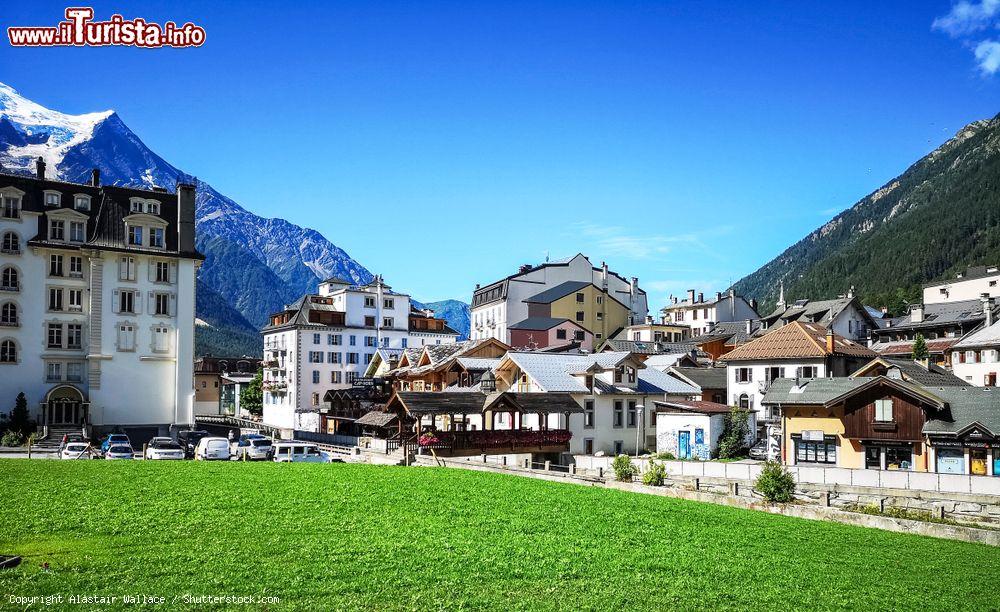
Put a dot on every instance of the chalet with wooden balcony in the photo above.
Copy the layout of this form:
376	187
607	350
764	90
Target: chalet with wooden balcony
438	367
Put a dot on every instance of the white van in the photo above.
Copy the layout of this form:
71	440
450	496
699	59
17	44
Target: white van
210	448
299	452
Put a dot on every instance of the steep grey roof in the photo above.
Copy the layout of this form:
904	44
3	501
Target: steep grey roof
966	407
559	291
988	336
655	381
376	418
736	330
815	391
640	347
539	323
554	371
967	312
705	378
931	376
971	273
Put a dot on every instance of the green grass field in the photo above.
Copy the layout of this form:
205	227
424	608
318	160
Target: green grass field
355	536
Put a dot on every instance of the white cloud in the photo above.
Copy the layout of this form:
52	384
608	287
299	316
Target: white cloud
965	19
968	17
622	242
988	56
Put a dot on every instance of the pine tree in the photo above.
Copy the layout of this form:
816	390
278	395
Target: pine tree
252	395
19	418
920	351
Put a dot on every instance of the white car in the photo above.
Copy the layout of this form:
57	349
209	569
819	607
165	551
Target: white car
212	448
160	440
159	449
75	450
254	447
299	452
119	451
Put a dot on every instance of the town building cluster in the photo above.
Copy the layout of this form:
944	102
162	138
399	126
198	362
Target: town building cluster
563	359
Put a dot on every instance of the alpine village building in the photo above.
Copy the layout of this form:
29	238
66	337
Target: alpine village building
326	341
596	299
97	304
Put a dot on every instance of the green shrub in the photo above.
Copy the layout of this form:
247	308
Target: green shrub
624	468
735	431
665	456
775	483
11	438
655	476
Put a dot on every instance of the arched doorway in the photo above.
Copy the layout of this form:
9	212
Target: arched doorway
65	405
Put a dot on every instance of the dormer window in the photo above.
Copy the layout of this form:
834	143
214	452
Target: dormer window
135	235
135	206
53	199
57	230
156	237
81	202
10	207
153	208
77	231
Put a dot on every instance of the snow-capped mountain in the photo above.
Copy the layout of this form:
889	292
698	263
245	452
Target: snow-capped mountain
253	265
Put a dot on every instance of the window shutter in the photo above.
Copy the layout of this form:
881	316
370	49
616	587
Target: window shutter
137	301
151	270
173	272
121	268
116	307
173	305
150	302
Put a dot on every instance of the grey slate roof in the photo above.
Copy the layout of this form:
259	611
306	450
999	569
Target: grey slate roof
816	311
640	347
561	290
971	273
944	313
376	418
812	391
985	337
931	376
554	372
539	323
966	407
704	378
736	330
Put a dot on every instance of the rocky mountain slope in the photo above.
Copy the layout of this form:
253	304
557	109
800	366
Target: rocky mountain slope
934	220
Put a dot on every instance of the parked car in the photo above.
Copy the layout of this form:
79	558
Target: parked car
119	451
115	440
759	450
75	450
212	448
299	452
189	440
164	448
254	446
67	438
159	440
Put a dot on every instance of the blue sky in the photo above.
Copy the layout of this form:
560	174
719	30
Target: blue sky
445	143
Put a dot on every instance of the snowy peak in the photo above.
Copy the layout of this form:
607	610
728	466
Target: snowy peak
41	132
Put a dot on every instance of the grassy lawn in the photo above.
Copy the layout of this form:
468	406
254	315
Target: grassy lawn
356	536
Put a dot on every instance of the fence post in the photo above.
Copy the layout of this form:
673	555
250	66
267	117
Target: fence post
697	484
484	458
548	465
503	461
572	469
600	472
144	447
527	463
825	498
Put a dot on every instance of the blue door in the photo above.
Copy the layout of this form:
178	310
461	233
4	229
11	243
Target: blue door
684	445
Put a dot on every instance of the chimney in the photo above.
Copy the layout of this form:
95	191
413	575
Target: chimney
987	308
477	286
829	341
649	319
753	304
185	217
633	287
95	177
604	275
917	313
40	169
749	325
850	293
690	296
701	296
524	268
718	296
673	298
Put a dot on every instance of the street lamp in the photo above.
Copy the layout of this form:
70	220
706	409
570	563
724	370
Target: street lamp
638	425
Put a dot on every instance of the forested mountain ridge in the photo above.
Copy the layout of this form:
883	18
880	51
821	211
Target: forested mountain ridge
934	220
